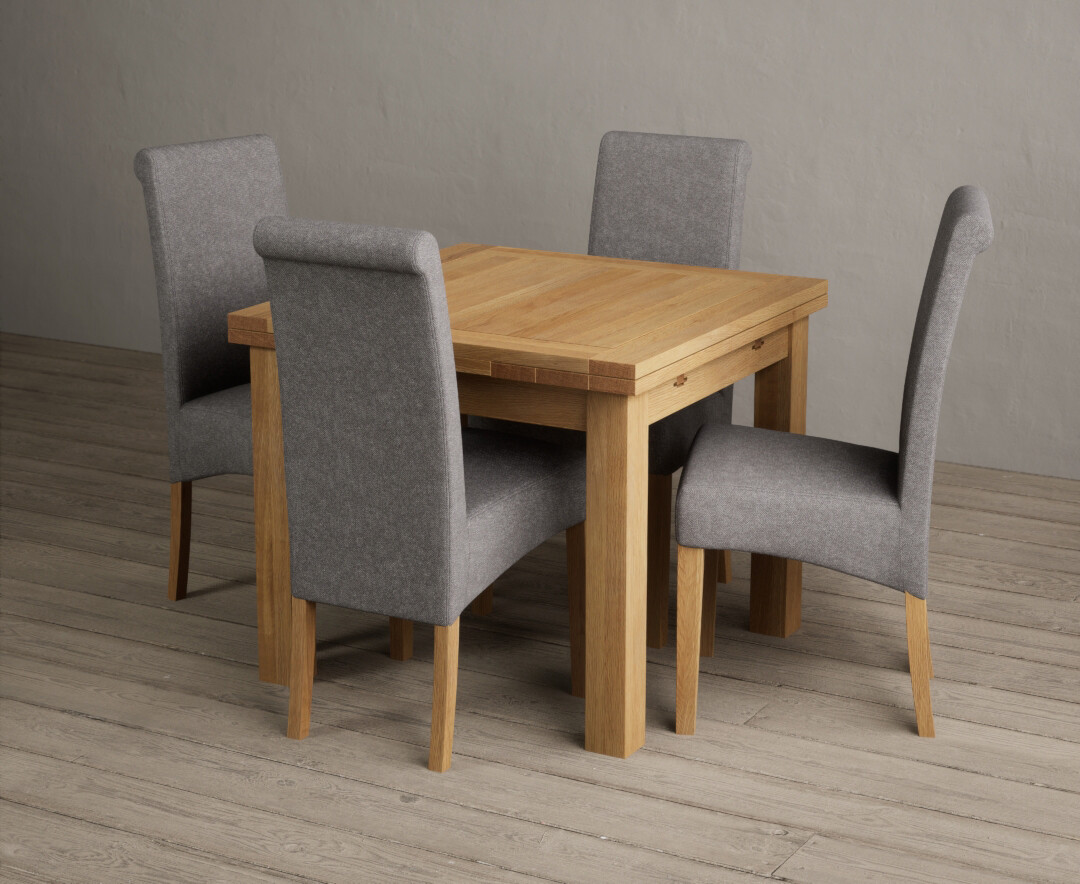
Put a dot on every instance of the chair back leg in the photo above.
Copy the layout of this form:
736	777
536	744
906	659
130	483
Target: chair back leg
691	571
575	584
918	640
484	603
724	573
400	639
179	539
301	668
444	698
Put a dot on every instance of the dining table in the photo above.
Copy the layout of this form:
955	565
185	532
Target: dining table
602	345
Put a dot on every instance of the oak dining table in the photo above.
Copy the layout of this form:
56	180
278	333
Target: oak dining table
602	345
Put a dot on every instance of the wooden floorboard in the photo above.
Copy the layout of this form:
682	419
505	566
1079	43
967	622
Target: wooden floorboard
1049	487
37	845
137	744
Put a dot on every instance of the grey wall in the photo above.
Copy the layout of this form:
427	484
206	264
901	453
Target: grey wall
480	121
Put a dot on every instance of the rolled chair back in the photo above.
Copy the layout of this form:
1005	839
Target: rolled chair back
373	455
966	229
671	198
203	201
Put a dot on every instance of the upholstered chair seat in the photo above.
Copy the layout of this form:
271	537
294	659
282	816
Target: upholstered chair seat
863	511
518	493
394	509
797	497
202	203
213	433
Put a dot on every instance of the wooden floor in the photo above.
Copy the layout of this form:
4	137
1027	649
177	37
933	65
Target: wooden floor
139	745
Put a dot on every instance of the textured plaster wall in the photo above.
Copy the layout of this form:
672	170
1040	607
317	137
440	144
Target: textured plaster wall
480	121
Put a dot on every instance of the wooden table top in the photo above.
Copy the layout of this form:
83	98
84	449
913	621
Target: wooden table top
593	323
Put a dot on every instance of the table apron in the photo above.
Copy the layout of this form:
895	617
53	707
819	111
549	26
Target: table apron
721	372
564	407
525	402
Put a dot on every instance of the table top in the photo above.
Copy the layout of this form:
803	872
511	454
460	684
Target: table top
593	323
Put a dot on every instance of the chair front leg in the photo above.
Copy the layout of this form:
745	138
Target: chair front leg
575	582
918	640
484	603
692	575
179	539
444	697
724	574
301	668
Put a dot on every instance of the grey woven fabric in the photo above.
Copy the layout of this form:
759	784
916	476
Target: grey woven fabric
966	230
673	198
854	509
392	509
798	497
213	433
676	199
518	493
670	438
202	203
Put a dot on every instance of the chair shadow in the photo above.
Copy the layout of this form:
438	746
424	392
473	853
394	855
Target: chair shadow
223	586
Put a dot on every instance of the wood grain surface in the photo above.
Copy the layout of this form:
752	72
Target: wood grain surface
138	744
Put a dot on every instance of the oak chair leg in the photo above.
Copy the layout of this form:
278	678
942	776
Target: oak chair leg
301	668
401	632
575	582
484	603
708	601
691	580
918	639
724	573
659	560
444	697
929	656
179	539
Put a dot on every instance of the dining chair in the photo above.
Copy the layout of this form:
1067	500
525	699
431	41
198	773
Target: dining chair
675	199
394	508
202	203
863	511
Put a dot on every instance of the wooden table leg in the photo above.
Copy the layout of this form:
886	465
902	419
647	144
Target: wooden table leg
271	520
615	561
658	579
779	404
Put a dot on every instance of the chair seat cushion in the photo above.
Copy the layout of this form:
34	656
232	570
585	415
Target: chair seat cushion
798	497
518	493
214	434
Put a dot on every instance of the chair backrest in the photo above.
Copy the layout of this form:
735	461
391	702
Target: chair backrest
671	198
966	229
374	476
203	201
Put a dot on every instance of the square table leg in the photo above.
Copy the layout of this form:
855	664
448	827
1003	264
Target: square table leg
780	404
615	561
271	520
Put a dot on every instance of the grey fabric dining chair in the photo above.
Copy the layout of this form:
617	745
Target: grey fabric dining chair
675	199
394	509
202	203
863	511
